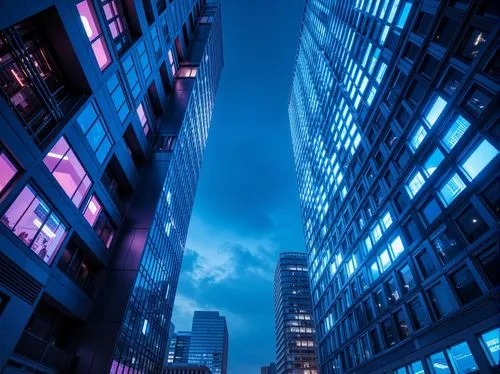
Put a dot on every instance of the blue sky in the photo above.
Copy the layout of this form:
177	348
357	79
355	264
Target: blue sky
247	208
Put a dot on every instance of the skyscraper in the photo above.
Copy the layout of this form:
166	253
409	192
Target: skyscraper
395	128
105	112
269	369
209	341
181	349
295	342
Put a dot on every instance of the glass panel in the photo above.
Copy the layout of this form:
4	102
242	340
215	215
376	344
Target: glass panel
92	210
143	119
385	260
417	312
441	300
425	264
489	261
433	162
472	224
465	285
491	345
7	171
479	159
406	278
446	246
435	111
415	184
397	247
455	132
402	325
417	368
451	189
462	358
431	210
439	364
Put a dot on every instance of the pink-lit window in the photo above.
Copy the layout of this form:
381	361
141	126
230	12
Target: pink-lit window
8	171
116	23
68	171
92	210
93	31
34	222
172	62
188	71
143	119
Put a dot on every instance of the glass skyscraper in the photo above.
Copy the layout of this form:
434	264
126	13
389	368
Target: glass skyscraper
396	135
295	340
209	341
105	111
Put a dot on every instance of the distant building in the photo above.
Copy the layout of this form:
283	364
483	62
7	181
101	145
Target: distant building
270	369
209	341
295	341
178	368
172	339
182	344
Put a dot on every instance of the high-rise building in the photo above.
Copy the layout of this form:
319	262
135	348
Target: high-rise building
172	339
269	369
209	341
396	134
295	341
181	349
105	111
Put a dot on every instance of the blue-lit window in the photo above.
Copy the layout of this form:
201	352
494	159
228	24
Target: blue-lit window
132	77
431	211
392	14
455	132
383	35
433	161
387	220
116	91
95	130
371	96
462	358
439	364
376	233
144	59
415	184
479	159
490	341
381	72
368	244
417	368
404	15
374	272
418	137
451	189
435	111
385	260
397	247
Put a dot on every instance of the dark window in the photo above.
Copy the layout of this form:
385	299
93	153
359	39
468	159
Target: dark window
403	158
429	66
425	263
401	324
378	297
160	6
423	24
392	290
446	246
411	51
78	267
431	210
477	101
489	261
441	300
411	231
472	224
451	81
465	285
444	34
472	44
492	196
375	342
388	333
4	299
493	67
148	9
417	313
363	282
416	93
406	279
368	310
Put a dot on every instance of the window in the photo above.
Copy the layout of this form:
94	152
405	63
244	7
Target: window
431	210
116	23
492	197
455	132
388	333
397	247
156	42
479	159
462	358
378	297
472	224
387	220
489	260
435	111
8	170
433	162
446	246
385	260
68	171
187	72
368	310
115	89
143	119
35	223
490	342
404	15
452	80
91	25
473	42
417	368
415	184
465	285
439	364
78	267
99	220
392	291
447	28
417	313
402	324
418	137
144	59
425	264
375	342
376	233
451	189
93	126
477	101
406	279
132	77
441	300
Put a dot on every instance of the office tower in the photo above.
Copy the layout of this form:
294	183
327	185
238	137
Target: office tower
177	368
394	119
105	111
181	349
209	341
269	369
172	339
295	341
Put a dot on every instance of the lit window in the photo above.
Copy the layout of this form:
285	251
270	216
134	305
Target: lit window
368	244
404	15
34	222
116	22
99	220
92	210
387	220
8	170
118	96
439	364
479	159
93	31
132	78
144	59
374	272
455	132
377	233
418	137
92	124
187	72
143	119
417	368
490	342
435	111
433	161
371	96
451	189
385	260
415	184
68	171
392	14
462	358
397	247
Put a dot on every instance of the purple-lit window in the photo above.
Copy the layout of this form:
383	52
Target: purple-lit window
173	62
116	23
91	25
141	113
68	171
187	72
99	220
8	170
34	222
